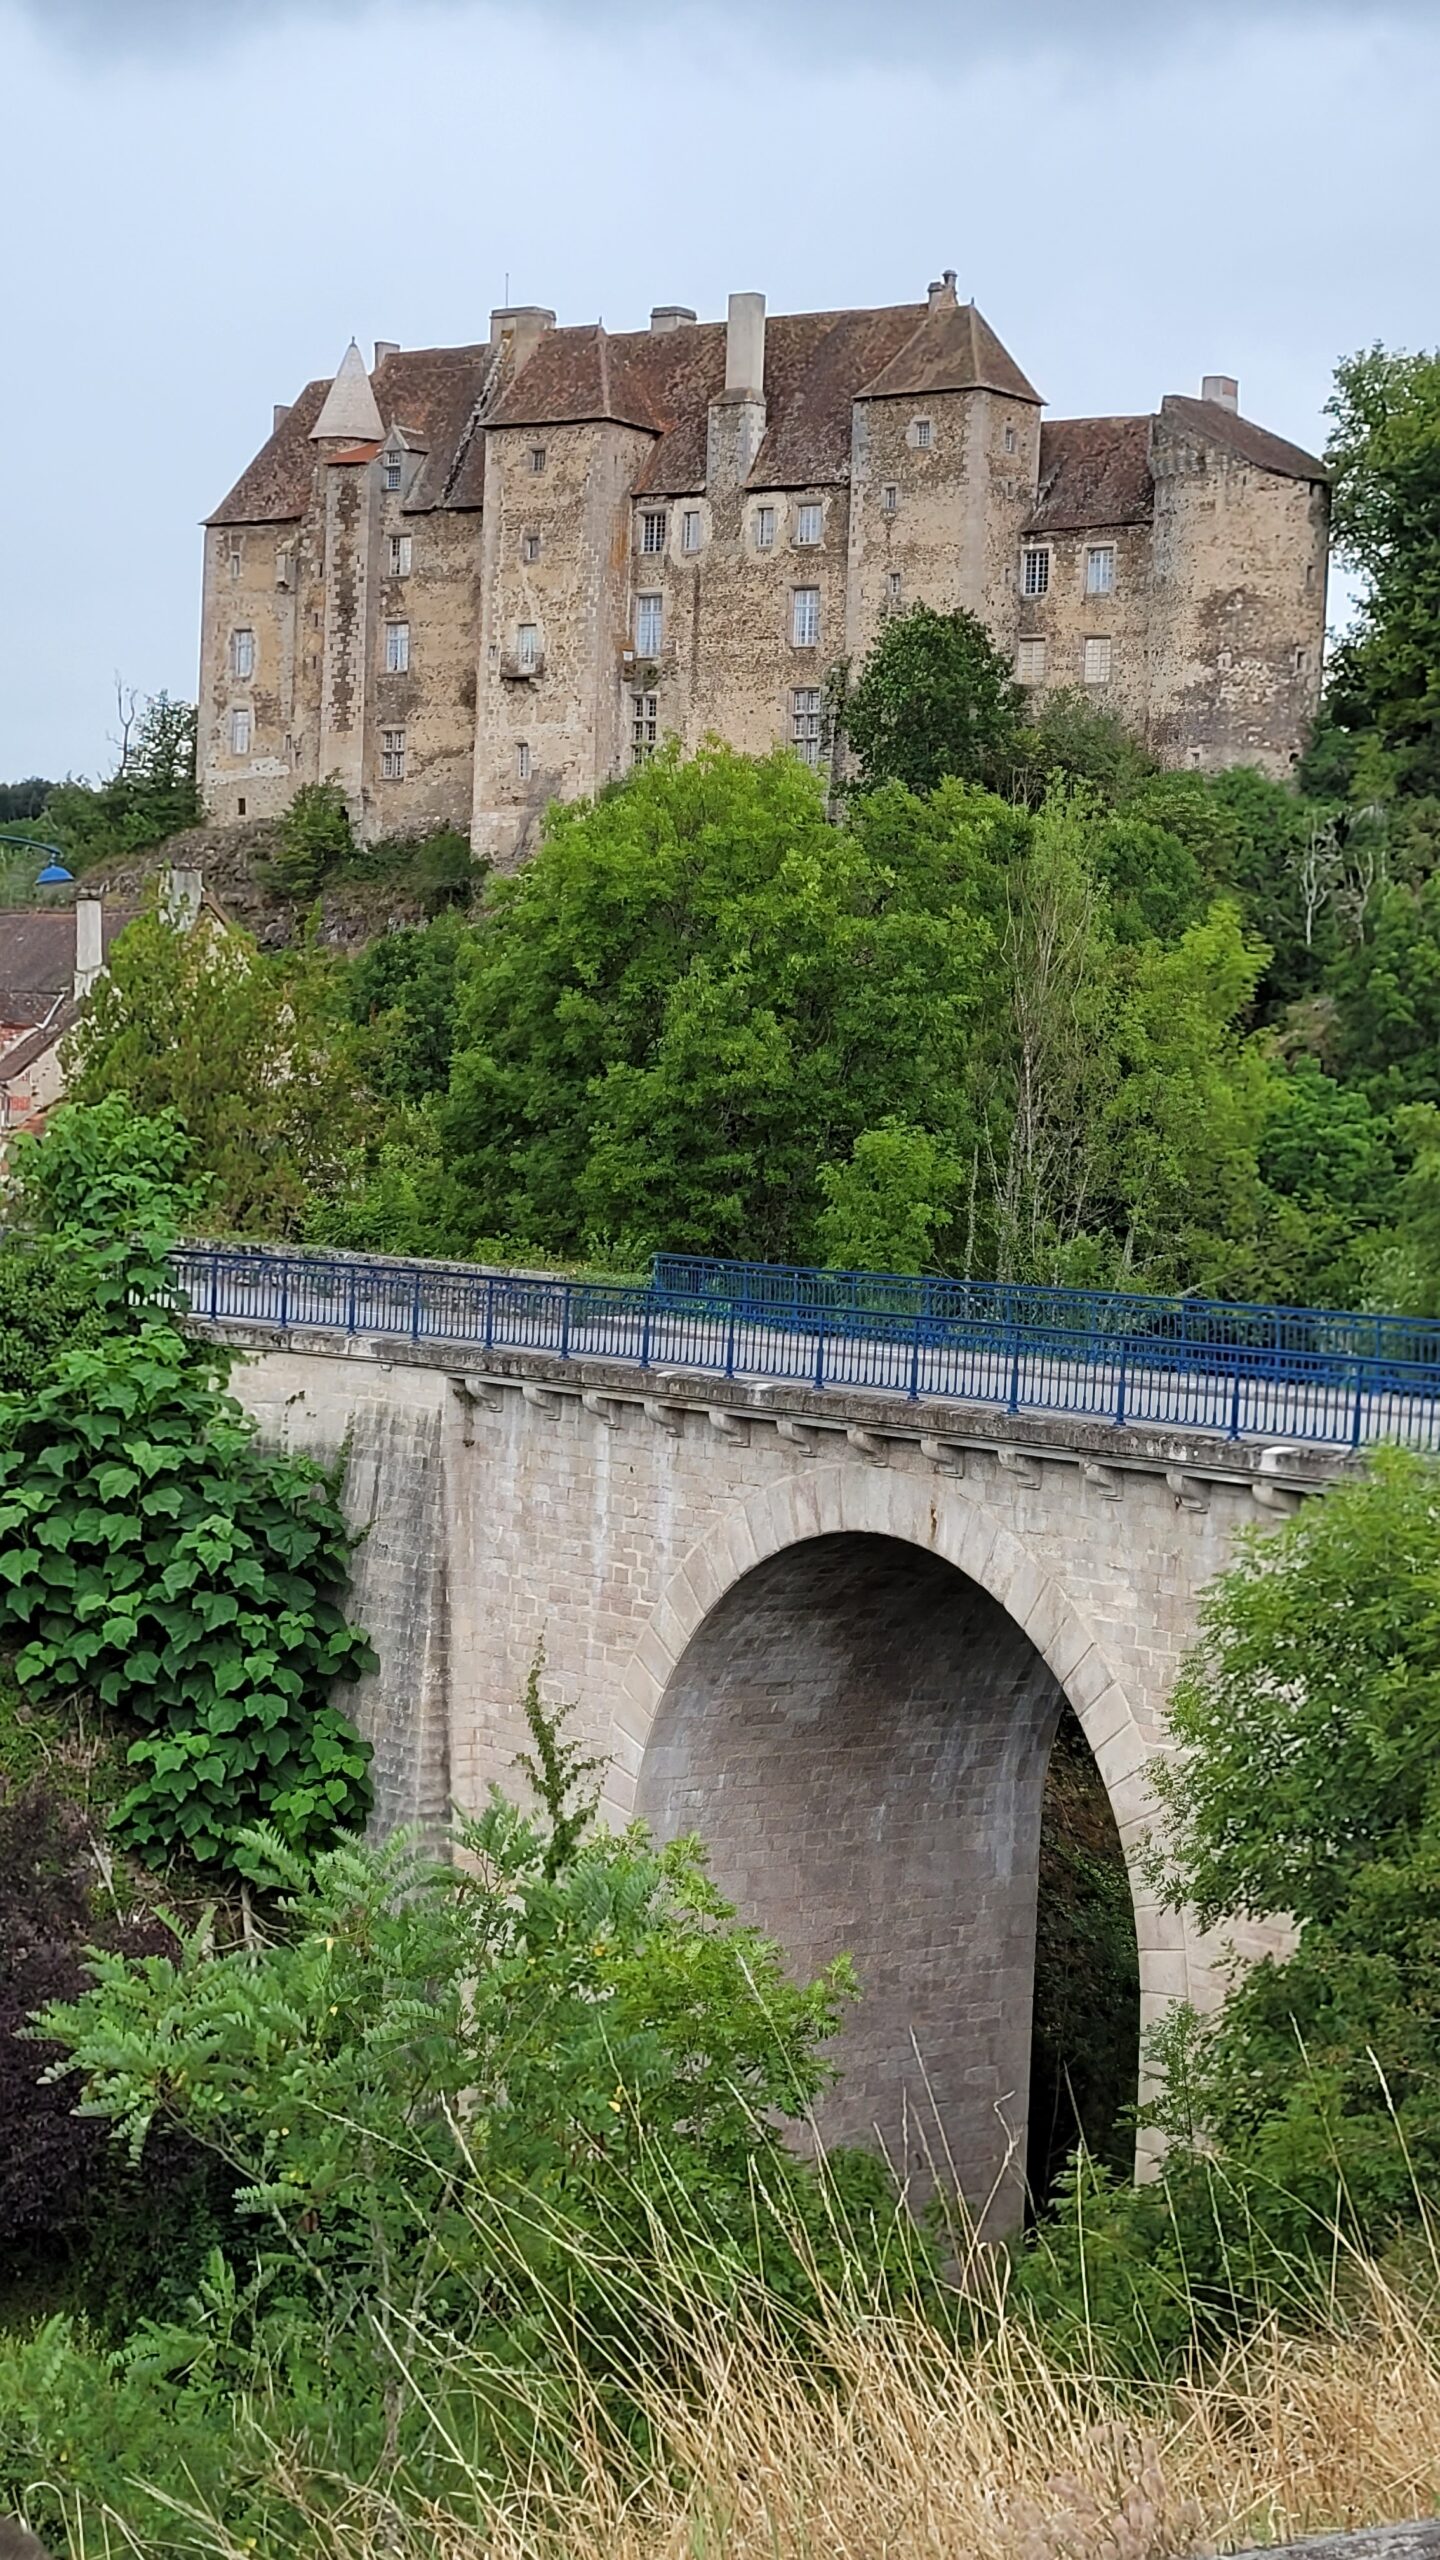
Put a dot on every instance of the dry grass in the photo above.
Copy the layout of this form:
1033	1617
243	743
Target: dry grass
925	2451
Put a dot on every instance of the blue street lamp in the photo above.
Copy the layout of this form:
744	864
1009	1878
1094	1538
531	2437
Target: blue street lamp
54	874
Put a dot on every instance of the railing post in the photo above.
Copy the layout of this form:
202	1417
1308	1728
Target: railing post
284	1293
1120	1384
214	1282
645	1329
415	1306
730	1342
1357	1421
565	1298
1234	1432
818	1372
350	1300
490	1311
1012	1402
915	1350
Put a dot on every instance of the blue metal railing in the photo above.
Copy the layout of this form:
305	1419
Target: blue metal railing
1021	1351
795	1292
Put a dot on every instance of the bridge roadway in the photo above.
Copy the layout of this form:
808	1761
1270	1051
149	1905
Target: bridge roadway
1228	1393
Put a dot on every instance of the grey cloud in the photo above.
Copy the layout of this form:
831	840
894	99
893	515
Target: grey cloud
926	29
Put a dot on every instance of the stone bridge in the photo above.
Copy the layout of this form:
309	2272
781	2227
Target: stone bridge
830	1631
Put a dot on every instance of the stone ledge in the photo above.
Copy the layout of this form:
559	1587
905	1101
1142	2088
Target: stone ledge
982	1427
1420	2541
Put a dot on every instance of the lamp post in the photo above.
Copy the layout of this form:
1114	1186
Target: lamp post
55	870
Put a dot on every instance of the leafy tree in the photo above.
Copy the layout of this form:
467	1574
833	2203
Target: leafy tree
315	839
1067	737
934	697
696	994
1384	453
401	994
246	1049
1335	1172
22	800
150	795
884	1208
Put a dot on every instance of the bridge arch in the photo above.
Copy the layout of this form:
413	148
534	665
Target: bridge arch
850	1687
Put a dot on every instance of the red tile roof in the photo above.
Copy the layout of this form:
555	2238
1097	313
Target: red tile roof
1241	437
432	392
37	957
1093	471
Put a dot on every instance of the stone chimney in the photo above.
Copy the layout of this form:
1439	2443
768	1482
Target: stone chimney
668	316
180	896
745	345
517	330
281	413
941	296
89	943
1222	389
736	425
384	347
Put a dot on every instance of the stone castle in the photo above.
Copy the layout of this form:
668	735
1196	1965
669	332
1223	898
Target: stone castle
477	578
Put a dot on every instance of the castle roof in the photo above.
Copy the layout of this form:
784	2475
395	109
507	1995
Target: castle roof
1219	425
1093	471
37	958
350	414
953	349
432	393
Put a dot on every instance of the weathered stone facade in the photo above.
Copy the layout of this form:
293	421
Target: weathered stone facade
828	1630
478	578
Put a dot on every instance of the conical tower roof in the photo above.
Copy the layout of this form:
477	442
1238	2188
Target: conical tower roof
350	413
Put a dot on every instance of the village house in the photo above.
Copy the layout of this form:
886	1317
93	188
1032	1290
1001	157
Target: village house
466	580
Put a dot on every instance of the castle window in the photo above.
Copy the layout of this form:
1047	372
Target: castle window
530	548
1097	661
1035	570
239	732
805	722
652	529
1011	440
242	654
527	647
392	755
537	457
764	528
241	806
649	625
522	761
805	617
922	434
1302	662
1030	662
808	522
234	563
893	586
394	466
690	529
1100	569
401	555
397	648
890	498
644	726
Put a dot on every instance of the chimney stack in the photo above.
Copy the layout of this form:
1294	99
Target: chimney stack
89	944
517	330
281	413
384	347
745	344
667	316
180	894
1222	389
942	296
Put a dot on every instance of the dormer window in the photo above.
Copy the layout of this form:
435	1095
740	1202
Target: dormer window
392	469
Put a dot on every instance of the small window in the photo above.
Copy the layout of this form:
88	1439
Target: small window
242	654
893	586
239	732
397	648
890	498
537	457
527	647
652	530
1035	570
530	548
1030	662
1011	440
764	528
1097	661
392	755
1100	569
234	564
241	806
401	555
522	760
394	465
808	521
1302	662
805	722
644	726
690	529
805	617
922	435
1225	661
649	625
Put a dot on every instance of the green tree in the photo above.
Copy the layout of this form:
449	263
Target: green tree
885	1207
315	839
247	1049
934	697
150	795
1384	453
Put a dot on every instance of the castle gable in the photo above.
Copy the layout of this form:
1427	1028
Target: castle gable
953	348
1215	424
430	392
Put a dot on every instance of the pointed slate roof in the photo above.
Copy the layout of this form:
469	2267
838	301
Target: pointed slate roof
954	349
351	411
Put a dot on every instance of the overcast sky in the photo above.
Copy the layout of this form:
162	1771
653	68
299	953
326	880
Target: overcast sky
213	198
